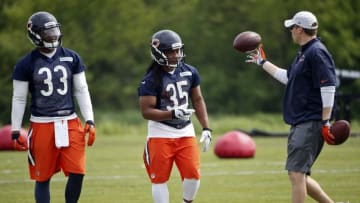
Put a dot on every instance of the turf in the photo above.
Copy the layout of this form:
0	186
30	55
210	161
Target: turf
115	174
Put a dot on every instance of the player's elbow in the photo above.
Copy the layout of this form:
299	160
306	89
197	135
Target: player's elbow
146	114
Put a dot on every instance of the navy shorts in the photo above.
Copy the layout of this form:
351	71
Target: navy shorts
305	143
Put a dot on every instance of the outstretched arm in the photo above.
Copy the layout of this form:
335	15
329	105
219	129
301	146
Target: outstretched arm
258	57
279	74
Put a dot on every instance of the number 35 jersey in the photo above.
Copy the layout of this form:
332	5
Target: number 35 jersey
50	81
172	91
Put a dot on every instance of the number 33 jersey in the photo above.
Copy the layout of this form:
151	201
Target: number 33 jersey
50	81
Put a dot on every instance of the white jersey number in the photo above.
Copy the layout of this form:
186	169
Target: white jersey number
48	80
178	94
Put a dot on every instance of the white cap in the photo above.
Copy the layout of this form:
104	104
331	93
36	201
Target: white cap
304	19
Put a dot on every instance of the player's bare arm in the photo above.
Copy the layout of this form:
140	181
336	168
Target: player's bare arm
199	106
150	112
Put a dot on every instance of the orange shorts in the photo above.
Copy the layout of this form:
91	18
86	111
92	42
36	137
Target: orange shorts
161	153
45	159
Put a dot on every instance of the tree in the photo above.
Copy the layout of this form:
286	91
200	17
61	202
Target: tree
113	39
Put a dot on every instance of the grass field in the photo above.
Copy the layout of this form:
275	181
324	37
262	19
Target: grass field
115	172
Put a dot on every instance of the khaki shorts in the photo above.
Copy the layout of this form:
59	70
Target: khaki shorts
305	143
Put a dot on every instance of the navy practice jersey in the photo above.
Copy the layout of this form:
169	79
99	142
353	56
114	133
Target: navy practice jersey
50	81
173	91
312	68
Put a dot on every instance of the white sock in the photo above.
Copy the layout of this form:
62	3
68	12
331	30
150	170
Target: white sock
160	193
190	188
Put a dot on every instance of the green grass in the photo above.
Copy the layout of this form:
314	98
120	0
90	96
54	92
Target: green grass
115	172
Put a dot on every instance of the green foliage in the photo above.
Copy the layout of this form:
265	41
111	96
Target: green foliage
113	39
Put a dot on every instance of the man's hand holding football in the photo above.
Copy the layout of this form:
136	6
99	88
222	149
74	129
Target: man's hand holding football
327	135
256	56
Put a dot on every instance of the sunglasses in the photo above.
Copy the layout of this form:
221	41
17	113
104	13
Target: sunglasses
293	26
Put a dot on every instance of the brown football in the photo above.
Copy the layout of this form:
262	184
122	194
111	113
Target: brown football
247	41
341	130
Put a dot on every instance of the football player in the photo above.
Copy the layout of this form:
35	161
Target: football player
165	94
56	140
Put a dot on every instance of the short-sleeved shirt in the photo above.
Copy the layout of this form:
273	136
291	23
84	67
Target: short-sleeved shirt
50	81
312	68
172	91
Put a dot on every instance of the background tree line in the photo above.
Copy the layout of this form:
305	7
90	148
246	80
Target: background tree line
113	39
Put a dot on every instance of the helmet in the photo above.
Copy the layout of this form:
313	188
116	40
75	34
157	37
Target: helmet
44	30
166	40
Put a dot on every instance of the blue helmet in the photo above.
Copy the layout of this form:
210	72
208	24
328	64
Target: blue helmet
166	40
44	30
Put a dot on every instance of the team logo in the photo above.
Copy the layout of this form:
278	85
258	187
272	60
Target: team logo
302	58
29	24
155	42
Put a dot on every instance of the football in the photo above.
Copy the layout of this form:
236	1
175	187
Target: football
247	41
341	130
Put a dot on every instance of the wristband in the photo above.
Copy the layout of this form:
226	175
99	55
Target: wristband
90	122
173	114
207	129
325	122
262	62
15	135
